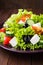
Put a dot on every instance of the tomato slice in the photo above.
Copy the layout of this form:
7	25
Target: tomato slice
6	40
24	17
2	30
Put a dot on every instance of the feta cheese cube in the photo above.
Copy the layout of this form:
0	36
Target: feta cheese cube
20	22
35	39
37	24
13	41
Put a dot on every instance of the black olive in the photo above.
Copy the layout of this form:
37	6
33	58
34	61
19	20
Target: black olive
26	38
26	25
30	36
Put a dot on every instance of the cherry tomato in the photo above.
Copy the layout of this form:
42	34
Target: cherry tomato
2	30
23	18
6	40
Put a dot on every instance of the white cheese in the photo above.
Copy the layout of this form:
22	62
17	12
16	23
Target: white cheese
37	24
21	22
13	42
35	39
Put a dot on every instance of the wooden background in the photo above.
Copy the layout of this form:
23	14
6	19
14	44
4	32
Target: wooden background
7	7
35	4
10	58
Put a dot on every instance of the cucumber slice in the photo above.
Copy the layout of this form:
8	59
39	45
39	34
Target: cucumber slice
8	33
30	22
41	42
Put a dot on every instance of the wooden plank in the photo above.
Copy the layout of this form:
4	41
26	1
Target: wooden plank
19	59
41	4
37	59
7	58
11	4
3	57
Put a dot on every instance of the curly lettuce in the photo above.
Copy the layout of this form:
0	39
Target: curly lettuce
19	35
12	25
2	35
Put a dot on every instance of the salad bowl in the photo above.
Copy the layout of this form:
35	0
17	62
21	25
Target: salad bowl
21	51
22	32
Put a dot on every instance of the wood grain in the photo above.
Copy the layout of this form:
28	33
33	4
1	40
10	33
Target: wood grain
10	58
37	59
19	59
11	4
3	57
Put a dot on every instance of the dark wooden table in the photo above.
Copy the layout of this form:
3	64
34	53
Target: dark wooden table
10	58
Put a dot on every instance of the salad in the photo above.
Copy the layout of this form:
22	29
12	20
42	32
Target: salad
23	31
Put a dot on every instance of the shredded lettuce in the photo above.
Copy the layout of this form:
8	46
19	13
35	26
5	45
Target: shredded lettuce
41	19
19	35
12	25
35	18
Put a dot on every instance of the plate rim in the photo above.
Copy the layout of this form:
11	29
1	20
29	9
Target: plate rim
21	51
